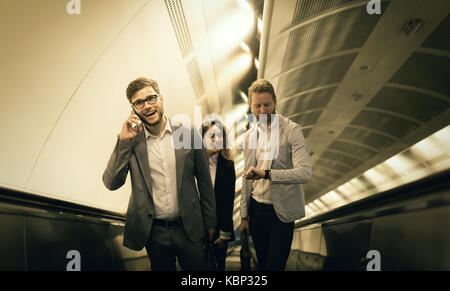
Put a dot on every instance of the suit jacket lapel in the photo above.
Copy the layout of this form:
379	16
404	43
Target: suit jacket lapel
179	164
220	165
251	146
275	137
140	147
180	155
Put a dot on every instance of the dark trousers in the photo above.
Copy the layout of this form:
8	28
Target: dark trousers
272	238
220	254
166	244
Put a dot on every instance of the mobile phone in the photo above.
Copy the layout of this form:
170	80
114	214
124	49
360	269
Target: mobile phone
135	126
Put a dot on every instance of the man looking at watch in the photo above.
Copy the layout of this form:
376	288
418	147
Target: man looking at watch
276	163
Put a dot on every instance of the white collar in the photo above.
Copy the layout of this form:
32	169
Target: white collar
168	128
214	158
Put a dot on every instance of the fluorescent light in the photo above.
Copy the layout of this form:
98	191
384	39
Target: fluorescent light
237	68
245	47
244	4
260	25
232	29
244	96
257	63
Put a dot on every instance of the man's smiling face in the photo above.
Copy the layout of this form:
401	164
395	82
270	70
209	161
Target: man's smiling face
150	114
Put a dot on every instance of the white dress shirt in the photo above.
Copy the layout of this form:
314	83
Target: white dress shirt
261	187
213	161
161	158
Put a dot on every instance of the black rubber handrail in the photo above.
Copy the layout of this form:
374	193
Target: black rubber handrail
417	188
16	197
423	186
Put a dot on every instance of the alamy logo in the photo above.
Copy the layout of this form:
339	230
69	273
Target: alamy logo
374	7
375	263
267	142
73	7
75	263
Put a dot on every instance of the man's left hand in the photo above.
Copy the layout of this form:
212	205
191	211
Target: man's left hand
254	174
220	243
211	232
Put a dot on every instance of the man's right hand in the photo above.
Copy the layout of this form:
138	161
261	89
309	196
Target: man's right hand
127	131
244	225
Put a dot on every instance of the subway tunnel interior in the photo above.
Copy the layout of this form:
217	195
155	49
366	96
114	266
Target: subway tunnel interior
370	91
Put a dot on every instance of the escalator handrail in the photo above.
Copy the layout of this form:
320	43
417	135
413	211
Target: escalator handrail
417	188
17	197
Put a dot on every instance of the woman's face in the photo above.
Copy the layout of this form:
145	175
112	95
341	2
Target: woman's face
213	138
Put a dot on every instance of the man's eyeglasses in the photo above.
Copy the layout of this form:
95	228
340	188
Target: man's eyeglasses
150	100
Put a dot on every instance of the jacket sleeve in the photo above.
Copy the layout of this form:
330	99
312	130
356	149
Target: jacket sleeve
245	195
301	171
229	203
205	189
116	171
249	144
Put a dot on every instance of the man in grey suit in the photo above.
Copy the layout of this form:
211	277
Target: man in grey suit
166	213
276	163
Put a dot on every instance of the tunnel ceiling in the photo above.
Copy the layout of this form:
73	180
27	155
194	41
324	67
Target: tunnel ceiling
361	88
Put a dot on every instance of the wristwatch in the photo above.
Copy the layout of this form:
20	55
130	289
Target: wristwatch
267	176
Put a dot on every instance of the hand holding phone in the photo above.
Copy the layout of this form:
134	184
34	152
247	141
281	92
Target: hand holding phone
131	127
135	126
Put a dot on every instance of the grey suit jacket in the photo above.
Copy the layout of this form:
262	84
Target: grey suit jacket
131	156
290	168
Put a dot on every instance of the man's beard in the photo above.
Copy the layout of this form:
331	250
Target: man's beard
156	122
267	118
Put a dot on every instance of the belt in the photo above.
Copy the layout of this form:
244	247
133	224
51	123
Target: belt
167	223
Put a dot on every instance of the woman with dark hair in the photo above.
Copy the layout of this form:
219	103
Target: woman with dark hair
223	176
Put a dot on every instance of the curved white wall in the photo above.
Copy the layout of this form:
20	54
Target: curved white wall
63	90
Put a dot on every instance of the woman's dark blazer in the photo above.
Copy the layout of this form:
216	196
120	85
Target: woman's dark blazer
224	188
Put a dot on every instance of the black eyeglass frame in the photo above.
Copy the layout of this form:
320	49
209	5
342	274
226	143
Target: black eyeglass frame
152	99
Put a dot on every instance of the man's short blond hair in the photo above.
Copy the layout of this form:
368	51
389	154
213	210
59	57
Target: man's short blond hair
261	86
139	84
